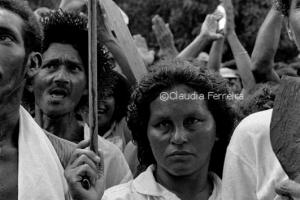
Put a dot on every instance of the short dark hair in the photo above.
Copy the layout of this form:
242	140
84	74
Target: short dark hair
66	28
174	73
32	31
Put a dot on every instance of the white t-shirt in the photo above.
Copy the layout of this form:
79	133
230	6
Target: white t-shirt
251	168
144	187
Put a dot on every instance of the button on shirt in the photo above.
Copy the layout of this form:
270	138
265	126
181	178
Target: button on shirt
145	187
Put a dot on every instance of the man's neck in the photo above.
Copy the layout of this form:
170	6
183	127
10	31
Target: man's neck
64	126
9	126
10	102
195	186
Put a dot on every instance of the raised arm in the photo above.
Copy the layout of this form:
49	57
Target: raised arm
266	45
208	34
241	57
243	62
215	55
164	37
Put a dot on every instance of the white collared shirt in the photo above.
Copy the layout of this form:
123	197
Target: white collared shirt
145	187
251	168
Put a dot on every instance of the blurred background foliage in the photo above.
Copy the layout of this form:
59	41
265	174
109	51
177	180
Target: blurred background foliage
185	18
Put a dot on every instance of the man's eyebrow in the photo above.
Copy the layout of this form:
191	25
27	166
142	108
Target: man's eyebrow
59	61
51	62
71	62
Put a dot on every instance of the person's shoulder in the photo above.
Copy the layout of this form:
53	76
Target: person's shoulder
262	118
255	123
63	148
253	130
118	192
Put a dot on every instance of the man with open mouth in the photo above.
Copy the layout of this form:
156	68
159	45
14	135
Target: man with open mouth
60	88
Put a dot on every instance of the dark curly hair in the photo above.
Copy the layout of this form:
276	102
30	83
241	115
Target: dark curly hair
260	98
113	84
71	28
32	32
174	73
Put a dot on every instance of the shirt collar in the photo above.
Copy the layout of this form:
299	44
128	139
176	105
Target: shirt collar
146	184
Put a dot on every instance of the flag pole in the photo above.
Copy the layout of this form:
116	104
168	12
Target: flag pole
93	117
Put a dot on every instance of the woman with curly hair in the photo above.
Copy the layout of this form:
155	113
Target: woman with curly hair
181	122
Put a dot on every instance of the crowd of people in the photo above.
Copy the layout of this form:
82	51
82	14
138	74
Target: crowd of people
192	128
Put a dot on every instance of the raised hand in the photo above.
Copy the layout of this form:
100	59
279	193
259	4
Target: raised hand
164	37
73	5
141	44
209	27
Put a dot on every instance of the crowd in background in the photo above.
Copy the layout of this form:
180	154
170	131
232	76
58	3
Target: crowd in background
194	127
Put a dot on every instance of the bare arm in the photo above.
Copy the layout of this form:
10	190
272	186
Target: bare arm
215	56
208	33
241	56
243	62
164	37
266	46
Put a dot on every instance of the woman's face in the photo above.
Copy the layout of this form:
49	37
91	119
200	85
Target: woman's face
181	133
106	109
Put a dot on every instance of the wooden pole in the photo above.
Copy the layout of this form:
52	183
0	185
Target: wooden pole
93	117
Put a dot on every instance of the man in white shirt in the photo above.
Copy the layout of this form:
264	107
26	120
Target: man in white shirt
251	169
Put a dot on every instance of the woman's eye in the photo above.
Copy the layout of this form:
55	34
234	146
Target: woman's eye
5	38
163	125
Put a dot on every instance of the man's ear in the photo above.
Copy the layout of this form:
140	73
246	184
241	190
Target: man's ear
34	62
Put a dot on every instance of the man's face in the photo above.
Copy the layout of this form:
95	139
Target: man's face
61	81
294	19
12	53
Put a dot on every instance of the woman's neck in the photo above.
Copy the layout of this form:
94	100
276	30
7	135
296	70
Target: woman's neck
193	186
64	126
